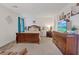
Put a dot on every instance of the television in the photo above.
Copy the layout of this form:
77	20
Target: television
62	26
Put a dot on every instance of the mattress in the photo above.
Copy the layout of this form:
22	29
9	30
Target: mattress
31	32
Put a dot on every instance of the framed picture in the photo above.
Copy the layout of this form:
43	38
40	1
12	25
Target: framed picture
68	15
74	10
61	16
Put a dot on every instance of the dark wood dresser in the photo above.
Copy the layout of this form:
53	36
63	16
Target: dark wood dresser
27	37
49	34
67	43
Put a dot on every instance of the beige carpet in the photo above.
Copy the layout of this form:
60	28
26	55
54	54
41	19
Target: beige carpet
46	47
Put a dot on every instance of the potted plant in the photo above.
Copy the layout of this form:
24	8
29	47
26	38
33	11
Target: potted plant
74	29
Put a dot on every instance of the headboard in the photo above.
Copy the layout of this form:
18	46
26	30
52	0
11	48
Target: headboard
34	27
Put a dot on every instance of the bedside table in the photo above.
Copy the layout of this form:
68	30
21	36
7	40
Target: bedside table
49	34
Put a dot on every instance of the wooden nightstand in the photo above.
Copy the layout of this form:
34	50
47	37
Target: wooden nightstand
49	34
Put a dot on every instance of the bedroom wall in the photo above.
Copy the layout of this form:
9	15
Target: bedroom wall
8	28
42	21
45	22
66	10
75	21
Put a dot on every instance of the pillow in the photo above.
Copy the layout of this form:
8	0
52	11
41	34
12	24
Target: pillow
2	52
33	29
13	53
16	52
6	53
22	51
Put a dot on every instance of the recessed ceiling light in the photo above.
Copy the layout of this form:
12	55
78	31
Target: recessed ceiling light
15	6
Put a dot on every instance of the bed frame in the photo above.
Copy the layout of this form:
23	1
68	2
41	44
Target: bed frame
34	26
26	37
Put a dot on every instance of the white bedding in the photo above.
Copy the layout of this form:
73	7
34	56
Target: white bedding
32	32
33	29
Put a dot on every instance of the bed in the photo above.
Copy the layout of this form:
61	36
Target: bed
31	36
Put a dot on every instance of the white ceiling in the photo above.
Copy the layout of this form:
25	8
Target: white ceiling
36	9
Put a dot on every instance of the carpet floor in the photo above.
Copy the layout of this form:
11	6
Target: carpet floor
46	47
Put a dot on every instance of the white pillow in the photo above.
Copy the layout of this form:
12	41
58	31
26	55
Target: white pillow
33	29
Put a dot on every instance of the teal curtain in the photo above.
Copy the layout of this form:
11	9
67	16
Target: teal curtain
23	25
19	25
